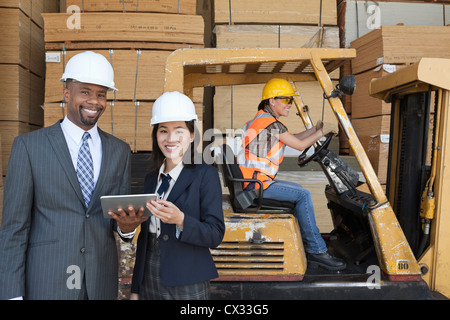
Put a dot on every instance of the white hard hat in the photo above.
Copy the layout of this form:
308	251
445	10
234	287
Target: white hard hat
173	106
90	67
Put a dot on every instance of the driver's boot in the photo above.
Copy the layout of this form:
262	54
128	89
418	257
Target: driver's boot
326	260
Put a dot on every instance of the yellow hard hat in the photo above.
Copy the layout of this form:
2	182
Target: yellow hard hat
277	88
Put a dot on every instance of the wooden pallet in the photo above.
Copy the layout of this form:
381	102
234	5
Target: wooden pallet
164	6
399	45
129	27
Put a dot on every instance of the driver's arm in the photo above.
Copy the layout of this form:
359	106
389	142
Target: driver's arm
306	139
304	134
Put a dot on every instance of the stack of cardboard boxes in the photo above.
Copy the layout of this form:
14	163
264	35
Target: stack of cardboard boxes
136	37
380	52
22	69
387	36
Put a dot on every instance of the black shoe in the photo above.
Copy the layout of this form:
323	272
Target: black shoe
327	261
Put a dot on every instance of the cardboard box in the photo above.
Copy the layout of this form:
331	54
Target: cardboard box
275	36
269	12
357	18
109	26
22	95
9	130
400	45
21	41
372	126
33	8
363	105
163	6
377	149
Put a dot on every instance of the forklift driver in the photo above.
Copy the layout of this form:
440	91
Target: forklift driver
264	141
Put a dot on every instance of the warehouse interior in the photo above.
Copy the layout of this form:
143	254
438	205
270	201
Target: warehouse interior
38	37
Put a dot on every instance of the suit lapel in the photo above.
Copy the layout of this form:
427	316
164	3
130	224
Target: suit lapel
183	181
59	145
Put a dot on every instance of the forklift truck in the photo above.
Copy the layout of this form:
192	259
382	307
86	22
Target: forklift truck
262	254
418	182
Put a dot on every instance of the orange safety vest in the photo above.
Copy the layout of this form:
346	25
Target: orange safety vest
264	168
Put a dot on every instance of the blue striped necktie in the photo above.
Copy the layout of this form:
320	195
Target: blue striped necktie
85	170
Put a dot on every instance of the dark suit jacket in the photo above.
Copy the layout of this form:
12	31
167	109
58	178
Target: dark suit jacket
187	260
47	235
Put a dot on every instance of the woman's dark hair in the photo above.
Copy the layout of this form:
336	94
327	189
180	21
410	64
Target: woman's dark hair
263	103
157	157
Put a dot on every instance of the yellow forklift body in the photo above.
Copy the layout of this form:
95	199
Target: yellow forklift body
260	247
426	75
189	68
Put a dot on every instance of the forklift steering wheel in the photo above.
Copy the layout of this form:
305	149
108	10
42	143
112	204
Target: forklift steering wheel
302	160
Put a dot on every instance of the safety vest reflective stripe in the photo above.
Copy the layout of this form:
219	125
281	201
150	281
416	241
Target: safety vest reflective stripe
252	166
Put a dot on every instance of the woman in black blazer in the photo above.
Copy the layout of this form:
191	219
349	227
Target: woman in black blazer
173	260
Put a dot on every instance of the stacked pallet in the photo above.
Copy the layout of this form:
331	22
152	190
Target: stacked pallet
356	18
136	37
22	69
378	53
310	12
260	24
165	6
359	17
400	45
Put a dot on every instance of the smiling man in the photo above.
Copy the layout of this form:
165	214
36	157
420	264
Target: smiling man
80	112
54	241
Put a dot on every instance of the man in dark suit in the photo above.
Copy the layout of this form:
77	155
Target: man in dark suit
54	241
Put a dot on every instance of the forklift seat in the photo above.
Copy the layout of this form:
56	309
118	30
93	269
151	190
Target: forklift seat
248	201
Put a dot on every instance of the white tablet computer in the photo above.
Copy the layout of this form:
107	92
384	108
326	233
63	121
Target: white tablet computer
112	203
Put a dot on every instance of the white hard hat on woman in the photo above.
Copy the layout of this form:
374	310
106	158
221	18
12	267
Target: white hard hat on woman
173	106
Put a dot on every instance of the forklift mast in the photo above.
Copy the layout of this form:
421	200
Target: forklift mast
418	182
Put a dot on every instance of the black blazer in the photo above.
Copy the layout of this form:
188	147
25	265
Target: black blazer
187	260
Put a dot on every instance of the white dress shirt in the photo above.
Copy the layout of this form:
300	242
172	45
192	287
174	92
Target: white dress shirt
74	135
155	223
